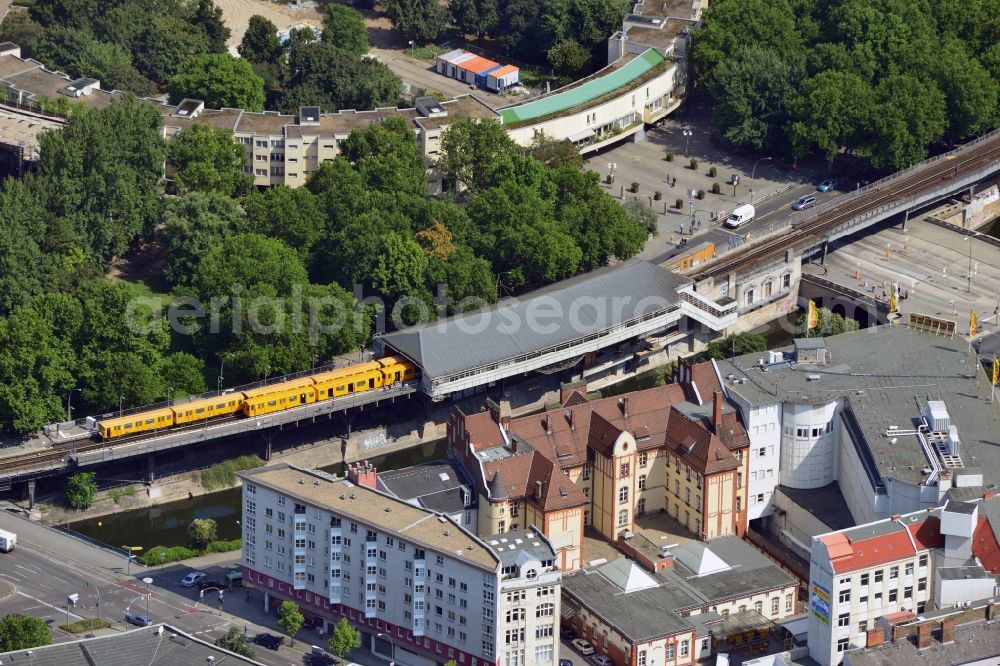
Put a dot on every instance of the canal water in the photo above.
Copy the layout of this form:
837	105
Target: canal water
166	524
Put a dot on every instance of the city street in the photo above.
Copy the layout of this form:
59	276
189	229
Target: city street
775	186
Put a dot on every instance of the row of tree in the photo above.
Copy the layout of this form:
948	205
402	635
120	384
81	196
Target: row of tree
276	271
880	78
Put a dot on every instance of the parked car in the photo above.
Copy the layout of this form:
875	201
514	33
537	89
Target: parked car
138	620
192	578
804	202
583	647
565	662
269	641
567	633
601	660
205	583
827	185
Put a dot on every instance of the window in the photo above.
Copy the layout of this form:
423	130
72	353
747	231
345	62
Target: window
864	579
759	606
622	518
642	482
893	594
670	650
623	469
643	459
623	495
586	473
845	596
893	573
545	610
641	661
685	647
788	603
543	631
844	619
786	280
750	296
862	626
922	584
775	606
842	644
908	592
878	576
640	506
923	560
543	653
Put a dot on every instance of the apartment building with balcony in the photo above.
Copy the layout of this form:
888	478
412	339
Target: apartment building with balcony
342	549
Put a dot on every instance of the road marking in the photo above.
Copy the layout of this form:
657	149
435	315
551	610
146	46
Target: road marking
55	608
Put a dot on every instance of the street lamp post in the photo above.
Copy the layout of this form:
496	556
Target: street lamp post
611	172
69	404
687	140
411	48
98	590
222	367
147	580
969	287
392	643
170	393
121	399
267	372
753	172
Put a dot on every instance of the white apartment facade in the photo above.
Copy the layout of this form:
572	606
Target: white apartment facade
529	602
867	576
394	570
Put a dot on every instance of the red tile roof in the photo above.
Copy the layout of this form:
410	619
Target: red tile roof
927	533
865	553
985	546
698	447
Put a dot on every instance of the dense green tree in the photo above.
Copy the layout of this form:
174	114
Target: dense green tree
831	112
247	261
475	17
166	43
324	75
100	175
23	264
290	619
466	279
399	267
201	532
344	638
344	27
80	54
471	149
37	362
260	43
971	94
751	92
235	641
553	153
208	17
183	374
909	115
387	158
207	159
420	20
568	58
80	490
192	224
23	632
21	29
293	215
220	80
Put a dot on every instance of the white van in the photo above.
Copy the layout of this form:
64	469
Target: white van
7	541
742	215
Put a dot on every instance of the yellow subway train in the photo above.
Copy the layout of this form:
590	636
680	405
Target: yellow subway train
267	399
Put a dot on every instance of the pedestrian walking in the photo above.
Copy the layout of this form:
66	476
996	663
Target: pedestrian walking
246	630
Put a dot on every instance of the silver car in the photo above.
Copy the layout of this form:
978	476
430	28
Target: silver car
804	202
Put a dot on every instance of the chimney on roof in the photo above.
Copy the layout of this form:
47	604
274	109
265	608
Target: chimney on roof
895	516
569	419
717	412
547	422
363	474
623	405
538	489
948	630
876	637
924	635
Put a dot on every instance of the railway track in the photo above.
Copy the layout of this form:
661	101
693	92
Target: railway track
804	233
